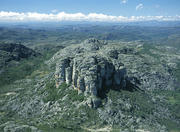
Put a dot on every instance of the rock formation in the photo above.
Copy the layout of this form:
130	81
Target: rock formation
89	71
94	66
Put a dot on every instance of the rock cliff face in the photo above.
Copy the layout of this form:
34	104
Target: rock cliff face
89	73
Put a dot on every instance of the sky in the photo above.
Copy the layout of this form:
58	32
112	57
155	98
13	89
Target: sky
89	10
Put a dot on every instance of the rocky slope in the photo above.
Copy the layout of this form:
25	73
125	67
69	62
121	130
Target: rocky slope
93	66
99	86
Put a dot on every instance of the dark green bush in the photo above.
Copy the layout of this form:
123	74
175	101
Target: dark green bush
52	91
73	95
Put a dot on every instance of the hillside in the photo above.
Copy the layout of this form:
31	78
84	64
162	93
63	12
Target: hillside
13	58
97	85
14	52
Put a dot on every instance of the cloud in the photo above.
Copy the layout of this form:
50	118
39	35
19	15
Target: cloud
54	11
62	16
124	1
139	7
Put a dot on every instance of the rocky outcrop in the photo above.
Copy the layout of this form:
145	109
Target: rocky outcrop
88	71
94	66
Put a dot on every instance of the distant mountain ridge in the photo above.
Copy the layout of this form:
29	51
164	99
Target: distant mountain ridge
67	23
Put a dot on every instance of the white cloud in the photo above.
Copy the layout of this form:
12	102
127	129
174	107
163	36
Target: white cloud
139	7
124	1
62	16
54	11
